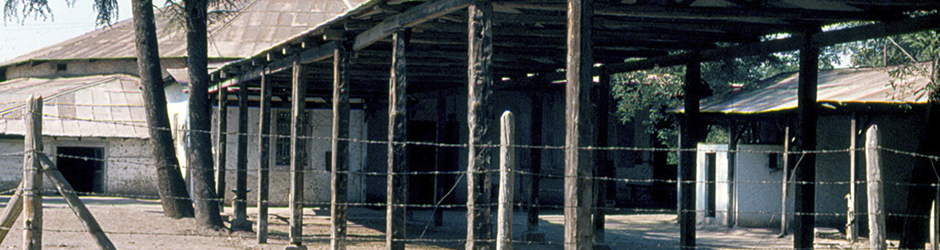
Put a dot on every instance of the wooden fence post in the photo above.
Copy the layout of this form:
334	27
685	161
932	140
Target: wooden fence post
340	138
396	179
11	212
221	150
32	175
579	127
876	216
507	164
479	124
240	202
298	105
77	206
264	158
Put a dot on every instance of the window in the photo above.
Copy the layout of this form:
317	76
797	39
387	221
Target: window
283	125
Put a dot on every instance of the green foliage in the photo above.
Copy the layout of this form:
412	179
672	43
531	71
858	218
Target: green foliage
22	9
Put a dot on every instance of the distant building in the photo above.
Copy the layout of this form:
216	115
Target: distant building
865	96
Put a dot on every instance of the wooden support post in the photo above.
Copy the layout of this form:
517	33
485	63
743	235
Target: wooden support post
11	212
733	135
480	85
32	175
535	155
876	202
851	230
805	173
298	104
397	136
240	204
605	167
441	157
786	180
264	158
221	142
76	204
579	129
691	132
507	164
340	174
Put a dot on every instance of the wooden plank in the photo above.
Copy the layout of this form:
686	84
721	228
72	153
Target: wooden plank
299	94
397	184
507	166
579	127
410	18
305	56
877	30
605	169
221	144
733	135
64	188
264	158
689	136
876	202
851	231
805	173
786	181
11	212
479	122
32	175
240	203
340	174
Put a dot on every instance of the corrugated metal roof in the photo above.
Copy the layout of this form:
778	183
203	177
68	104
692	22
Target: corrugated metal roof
838	86
91	106
260	24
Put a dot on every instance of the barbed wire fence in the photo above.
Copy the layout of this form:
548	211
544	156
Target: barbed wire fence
548	175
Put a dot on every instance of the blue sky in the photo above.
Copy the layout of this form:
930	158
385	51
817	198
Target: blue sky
18	36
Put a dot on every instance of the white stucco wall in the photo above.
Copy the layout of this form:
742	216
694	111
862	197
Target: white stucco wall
128	167
758	187
317	188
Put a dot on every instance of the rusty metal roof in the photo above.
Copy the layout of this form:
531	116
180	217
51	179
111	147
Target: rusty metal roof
91	106
836	88
260	24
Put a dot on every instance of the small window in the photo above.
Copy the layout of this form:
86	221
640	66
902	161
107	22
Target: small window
61	67
328	159
282	122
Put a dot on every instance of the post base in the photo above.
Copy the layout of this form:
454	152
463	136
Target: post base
241	225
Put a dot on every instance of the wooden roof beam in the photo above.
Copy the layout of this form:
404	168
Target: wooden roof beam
905	26
304	57
411	17
671	12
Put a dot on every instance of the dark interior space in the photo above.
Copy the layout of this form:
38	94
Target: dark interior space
82	167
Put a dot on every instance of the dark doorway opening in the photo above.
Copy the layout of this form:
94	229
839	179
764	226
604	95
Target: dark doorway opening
83	168
710	181
428	161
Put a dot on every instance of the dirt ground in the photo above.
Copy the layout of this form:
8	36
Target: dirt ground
140	224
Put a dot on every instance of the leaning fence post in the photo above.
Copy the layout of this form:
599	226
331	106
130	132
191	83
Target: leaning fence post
11	212
507	163
32	175
876	217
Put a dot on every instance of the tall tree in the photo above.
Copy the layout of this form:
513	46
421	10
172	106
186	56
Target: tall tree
170	184
206	201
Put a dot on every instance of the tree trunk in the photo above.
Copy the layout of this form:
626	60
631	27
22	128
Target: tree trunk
206	201
170	184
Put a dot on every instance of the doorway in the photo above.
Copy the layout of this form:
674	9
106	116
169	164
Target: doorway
427	159
82	167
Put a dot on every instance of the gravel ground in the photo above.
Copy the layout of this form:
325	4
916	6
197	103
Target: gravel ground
140	224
